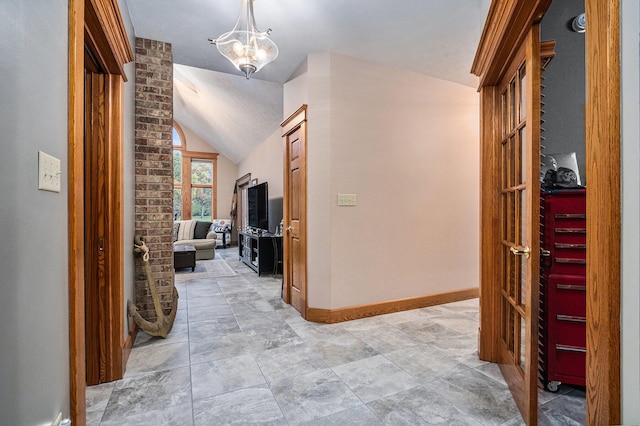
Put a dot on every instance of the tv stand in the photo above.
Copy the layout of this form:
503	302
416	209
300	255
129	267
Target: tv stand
260	252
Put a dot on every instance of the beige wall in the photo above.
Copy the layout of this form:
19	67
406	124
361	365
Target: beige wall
407	146
265	164
227	171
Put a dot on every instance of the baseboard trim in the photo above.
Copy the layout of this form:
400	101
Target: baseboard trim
128	345
331	316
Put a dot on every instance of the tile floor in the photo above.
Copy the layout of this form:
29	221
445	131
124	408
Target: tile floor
238	355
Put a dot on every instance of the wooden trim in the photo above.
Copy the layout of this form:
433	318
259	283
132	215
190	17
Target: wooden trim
603	211
331	316
114	227
127	346
295	119
107	36
75	155
489	221
505	29
199	155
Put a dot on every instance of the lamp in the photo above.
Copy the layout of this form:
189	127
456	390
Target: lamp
247	48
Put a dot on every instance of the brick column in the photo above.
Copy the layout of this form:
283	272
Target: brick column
154	169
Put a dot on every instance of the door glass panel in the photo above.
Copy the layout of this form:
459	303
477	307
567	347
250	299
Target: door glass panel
510	215
523	341
505	113
522	90
512	161
522	208
523	155
523	280
512	104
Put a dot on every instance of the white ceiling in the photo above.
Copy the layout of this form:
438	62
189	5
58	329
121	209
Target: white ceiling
432	37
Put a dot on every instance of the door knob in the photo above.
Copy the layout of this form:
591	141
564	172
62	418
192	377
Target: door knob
524	252
289	229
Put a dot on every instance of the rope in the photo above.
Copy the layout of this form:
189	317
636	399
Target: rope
144	249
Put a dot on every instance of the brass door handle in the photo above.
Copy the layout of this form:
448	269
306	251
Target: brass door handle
524	252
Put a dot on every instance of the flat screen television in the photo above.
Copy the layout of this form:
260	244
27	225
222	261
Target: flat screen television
258	200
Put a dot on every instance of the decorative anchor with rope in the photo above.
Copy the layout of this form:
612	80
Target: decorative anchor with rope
164	323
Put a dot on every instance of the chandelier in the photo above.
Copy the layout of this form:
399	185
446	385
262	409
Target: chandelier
247	48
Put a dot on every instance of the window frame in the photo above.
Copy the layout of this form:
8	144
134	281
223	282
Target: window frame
185	186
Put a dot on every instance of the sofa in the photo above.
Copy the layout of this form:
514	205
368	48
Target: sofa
195	233
222	228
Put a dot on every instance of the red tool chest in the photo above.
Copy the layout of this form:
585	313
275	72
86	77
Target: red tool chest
562	288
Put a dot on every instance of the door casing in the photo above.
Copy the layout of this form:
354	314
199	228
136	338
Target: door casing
97	24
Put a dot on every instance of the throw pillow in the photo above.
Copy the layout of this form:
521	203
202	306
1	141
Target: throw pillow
220	228
186	229
176	227
202	229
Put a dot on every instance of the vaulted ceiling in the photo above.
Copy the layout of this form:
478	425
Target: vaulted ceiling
432	37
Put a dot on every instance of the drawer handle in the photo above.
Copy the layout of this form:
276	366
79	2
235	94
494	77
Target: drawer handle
571	246
571	261
571	318
571	231
571	216
571	287
571	348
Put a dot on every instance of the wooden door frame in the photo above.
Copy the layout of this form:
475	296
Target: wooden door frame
241	183
96	23
295	121
507	23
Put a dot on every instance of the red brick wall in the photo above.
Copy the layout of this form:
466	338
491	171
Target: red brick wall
154	169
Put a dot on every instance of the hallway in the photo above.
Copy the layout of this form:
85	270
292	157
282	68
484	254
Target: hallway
238	355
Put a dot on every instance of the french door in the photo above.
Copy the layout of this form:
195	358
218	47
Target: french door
518	147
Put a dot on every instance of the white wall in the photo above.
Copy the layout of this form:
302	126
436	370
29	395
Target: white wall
227	171
630	298
34	317
407	146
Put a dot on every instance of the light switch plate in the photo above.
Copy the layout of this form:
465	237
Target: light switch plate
48	172
346	199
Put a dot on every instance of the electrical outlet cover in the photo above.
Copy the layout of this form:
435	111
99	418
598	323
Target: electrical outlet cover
48	172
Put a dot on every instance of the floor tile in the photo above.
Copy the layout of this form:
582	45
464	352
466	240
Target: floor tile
289	361
486	400
425	362
357	416
150	392
374	378
221	347
181	414
342	349
218	377
162	357
419	406
312	396
245	406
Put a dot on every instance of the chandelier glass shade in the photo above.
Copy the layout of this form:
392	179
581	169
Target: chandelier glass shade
244	46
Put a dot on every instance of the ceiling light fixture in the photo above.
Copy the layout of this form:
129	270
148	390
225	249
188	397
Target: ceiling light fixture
247	48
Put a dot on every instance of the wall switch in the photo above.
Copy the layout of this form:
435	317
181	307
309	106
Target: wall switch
48	172
346	199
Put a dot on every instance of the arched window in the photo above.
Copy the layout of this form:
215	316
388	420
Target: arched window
194	180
